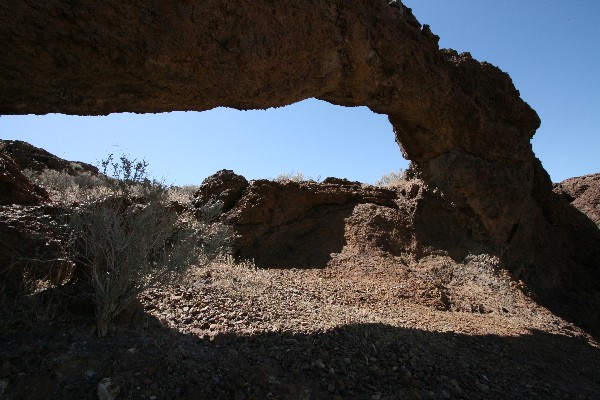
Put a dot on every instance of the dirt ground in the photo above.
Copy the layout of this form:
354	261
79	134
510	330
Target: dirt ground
364	327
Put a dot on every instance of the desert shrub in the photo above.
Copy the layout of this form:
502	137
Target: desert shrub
129	177
125	248
182	194
293	176
125	244
210	211
66	188
391	179
57	180
296	177
87	180
31	175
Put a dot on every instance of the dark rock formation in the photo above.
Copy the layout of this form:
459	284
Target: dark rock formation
584	193
32	248
300	224
33	158
15	188
460	121
306	224
224	186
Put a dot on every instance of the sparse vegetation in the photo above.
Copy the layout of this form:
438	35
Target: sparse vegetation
66	188
127	236
391	179
292	176
182	194
127	244
126	248
295	177
129	177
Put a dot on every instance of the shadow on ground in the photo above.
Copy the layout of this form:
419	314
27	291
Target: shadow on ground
63	360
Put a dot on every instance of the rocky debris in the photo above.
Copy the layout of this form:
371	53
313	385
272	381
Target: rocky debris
15	188
308	225
36	159
365	328
107	390
584	193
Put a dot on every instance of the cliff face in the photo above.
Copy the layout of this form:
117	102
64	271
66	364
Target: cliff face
461	122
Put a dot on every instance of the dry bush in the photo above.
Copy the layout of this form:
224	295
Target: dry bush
182	194
129	177
394	178
293	177
66	188
28	283
126	248
125	235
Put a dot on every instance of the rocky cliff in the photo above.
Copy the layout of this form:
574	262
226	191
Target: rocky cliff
584	193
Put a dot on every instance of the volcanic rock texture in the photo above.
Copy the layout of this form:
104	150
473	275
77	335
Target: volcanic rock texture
35	159
15	188
461	122
584	193
309	224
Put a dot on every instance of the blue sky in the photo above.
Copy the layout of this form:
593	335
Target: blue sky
551	49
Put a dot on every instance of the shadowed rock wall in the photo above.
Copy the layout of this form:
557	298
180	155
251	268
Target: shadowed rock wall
461	122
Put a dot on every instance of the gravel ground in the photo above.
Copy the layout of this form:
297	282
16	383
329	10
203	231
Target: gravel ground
365	327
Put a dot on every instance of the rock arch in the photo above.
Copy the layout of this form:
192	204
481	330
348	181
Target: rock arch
461	122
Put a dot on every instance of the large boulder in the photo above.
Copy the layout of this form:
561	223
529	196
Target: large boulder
224	186
307	224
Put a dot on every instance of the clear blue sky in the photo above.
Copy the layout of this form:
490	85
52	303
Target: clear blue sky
550	48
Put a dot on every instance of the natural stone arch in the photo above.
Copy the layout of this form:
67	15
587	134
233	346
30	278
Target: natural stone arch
461	122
